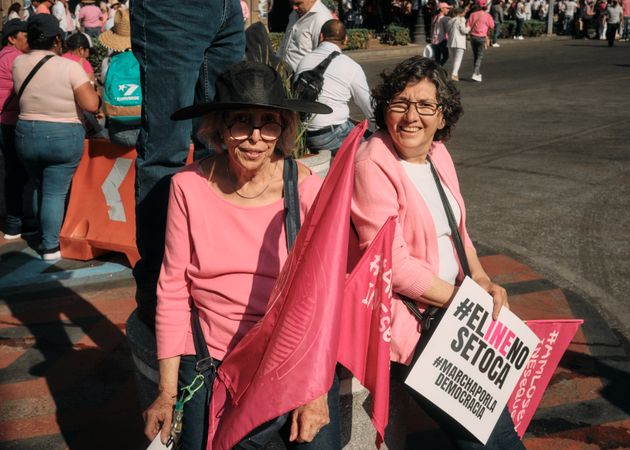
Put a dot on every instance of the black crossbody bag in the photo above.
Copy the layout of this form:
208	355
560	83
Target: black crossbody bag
433	313
205	364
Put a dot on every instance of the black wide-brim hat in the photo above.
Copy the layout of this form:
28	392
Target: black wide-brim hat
247	85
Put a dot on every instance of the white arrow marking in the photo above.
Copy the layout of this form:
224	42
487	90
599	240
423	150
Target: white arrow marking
110	189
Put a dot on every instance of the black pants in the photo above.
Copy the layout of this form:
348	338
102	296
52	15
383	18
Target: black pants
611	32
440	52
195	423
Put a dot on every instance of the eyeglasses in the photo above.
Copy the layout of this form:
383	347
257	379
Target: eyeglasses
242	129
423	107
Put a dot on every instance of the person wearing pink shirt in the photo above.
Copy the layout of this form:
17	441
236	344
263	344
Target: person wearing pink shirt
90	18
479	22
226	244
78	49
43	7
625	34
14	44
396	173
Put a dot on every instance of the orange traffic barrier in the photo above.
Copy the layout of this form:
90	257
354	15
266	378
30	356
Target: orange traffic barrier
101	214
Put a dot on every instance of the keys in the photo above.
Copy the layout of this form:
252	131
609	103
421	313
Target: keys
176	426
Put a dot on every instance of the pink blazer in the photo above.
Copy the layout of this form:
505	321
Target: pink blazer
382	189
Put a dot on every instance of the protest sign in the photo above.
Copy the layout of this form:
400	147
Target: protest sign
472	363
555	336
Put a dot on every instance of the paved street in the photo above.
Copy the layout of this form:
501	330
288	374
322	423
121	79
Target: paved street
542	153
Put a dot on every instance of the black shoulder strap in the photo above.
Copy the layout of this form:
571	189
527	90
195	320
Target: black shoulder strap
32	73
291	201
322	66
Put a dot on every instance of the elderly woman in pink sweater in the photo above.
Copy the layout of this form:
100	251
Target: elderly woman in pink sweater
396	170
225	246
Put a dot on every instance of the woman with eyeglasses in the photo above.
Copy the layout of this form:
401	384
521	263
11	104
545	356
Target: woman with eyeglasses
416	107
226	244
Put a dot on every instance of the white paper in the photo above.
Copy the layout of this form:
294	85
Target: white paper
156	444
471	364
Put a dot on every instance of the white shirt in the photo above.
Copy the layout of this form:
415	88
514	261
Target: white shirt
302	34
59	11
422	178
343	79
570	8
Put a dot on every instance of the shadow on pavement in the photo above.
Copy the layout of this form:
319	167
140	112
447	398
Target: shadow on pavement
63	345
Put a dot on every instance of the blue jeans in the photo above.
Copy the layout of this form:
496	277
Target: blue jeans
15	181
50	152
626	25
195	422
497	32
123	134
330	140
478	47
181	49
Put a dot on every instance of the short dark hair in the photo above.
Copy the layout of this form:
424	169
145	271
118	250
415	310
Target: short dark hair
5	39
334	30
76	41
412	71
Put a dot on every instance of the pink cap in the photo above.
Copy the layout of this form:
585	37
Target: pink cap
444	5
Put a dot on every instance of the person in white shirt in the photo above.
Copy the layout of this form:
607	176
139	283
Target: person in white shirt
59	11
344	79
302	33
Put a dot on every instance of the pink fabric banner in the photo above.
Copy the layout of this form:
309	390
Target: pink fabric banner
555	336
365	331
288	358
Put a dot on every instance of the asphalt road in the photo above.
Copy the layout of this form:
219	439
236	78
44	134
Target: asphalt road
543	154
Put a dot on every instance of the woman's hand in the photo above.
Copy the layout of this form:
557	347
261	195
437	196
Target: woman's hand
499	295
159	416
307	420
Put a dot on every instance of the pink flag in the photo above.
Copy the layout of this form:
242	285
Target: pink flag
365	331
289	357
555	336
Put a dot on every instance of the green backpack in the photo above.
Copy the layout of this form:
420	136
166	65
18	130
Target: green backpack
122	95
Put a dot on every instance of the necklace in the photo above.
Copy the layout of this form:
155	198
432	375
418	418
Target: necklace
247	197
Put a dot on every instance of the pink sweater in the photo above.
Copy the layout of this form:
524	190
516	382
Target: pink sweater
479	23
382	189
8	111
224	256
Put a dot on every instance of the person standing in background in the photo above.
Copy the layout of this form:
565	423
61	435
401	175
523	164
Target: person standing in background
179	65
14	44
89	18
59	10
439	33
457	31
497	15
479	23
302	33
614	16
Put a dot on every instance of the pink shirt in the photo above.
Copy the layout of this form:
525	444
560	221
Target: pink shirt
84	62
42	9
626	7
50	94
383	189
9	112
90	16
226	257
479	22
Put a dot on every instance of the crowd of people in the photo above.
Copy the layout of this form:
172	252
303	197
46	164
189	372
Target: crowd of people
43	128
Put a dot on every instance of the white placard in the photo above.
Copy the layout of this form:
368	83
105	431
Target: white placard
156	444
471	364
